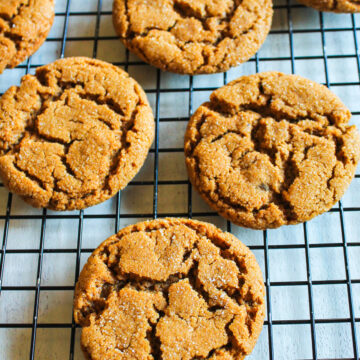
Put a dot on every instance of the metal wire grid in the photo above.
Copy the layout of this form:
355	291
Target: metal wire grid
270	324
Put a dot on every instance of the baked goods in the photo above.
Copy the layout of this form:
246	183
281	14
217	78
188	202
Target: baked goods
193	36
271	149
337	6
74	134
170	289
24	26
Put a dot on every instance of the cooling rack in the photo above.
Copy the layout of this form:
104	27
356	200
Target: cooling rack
311	271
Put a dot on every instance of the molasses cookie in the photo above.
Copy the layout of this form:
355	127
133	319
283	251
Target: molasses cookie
271	149
73	134
337	6
170	289
24	26
193	36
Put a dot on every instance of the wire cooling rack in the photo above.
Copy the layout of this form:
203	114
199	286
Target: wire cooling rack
311	271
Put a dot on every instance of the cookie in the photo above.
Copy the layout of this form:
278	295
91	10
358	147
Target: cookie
193	36
337	6
73	134
170	289
24	26
271	149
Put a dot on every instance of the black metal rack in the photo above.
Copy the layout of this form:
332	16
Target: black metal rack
312	322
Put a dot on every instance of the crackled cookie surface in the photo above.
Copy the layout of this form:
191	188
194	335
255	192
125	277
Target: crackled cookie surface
271	149
170	289
193	36
74	134
24	25
337	6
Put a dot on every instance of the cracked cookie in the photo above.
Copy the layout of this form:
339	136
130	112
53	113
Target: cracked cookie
166	289
193	36
271	149
337	6
73	134
24	26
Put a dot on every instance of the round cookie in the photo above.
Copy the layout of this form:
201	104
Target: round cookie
193	36
271	149
74	134
337	6
24	26
170	289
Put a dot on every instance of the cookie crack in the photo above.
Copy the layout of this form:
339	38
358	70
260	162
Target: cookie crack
8	33
31	177
115	158
109	103
265	110
97	99
283	204
143	283
219	137
130	35
262	111
188	13
9	19
127	17
154	341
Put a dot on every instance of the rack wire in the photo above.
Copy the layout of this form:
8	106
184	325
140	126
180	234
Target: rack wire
310	333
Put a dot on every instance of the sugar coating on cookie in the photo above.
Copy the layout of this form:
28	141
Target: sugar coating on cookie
337	6
73	134
170	289
24	25
271	149
193	36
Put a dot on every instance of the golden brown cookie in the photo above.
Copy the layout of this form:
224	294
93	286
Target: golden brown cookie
74	134
24	26
337	6
271	149
193	36
170	289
